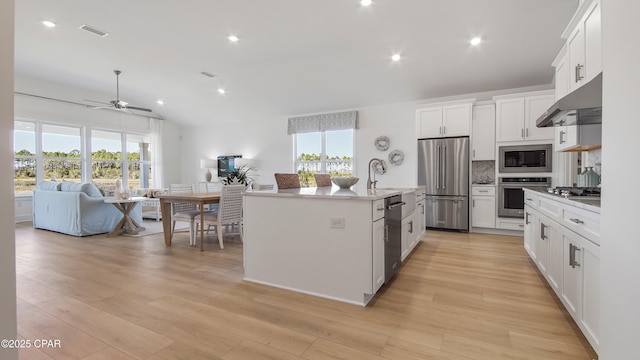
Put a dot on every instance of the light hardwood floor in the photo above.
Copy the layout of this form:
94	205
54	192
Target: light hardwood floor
458	297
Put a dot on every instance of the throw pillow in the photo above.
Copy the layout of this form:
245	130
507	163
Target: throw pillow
49	186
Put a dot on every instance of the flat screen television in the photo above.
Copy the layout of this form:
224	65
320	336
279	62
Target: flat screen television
226	164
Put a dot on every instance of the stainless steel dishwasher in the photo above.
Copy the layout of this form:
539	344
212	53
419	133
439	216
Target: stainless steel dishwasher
393	236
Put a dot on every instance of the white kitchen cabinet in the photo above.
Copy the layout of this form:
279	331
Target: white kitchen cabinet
420	219
578	138
562	237
483	206
378	254
483	134
590	310
563	75
447	120
584	43
516	117
408	235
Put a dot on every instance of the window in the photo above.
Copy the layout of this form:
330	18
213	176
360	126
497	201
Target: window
47	151
61	155
138	161
326	152
24	163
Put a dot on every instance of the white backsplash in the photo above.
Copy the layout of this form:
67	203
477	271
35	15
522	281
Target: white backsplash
593	159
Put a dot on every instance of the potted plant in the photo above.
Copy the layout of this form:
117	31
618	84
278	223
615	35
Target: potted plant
239	175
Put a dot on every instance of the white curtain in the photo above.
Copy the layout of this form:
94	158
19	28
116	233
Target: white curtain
156	156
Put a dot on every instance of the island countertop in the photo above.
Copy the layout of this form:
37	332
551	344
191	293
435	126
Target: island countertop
328	192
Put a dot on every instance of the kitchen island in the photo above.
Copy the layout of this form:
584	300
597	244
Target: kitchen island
325	241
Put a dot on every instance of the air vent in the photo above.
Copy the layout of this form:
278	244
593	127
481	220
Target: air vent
207	74
93	30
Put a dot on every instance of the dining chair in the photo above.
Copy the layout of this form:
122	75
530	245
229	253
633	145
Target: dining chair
323	179
213	187
229	212
287	181
184	212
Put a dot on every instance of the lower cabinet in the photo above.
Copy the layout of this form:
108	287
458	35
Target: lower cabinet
483	206
569	261
378	254
409	239
420	219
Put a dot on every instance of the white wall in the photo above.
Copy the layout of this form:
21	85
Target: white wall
8	322
620	278
267	140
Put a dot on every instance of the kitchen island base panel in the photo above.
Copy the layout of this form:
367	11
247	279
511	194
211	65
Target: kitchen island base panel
289	242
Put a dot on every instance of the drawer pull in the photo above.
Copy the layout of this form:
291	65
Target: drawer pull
380	208
529	199
577	221
483	191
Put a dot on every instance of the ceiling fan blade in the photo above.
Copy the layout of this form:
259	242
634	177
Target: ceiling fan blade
139	108
99	102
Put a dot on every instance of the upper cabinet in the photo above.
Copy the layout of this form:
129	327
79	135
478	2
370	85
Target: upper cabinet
444	120
516	117
483	137
584	45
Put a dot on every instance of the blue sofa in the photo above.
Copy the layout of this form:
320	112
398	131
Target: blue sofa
75	209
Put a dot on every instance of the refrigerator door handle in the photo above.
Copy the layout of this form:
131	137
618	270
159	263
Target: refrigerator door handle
438	167
444	168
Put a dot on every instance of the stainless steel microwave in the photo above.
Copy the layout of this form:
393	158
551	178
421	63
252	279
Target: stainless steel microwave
525	158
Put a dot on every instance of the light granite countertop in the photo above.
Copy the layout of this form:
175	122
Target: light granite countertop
329	192
582	202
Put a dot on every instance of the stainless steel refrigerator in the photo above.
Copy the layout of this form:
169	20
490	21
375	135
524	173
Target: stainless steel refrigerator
443	167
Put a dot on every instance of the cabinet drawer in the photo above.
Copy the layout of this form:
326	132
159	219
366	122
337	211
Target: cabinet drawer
585	223
510	224
483	190
531	199
550	207
377	210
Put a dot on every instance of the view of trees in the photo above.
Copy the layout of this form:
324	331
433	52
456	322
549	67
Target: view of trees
309	164
61	165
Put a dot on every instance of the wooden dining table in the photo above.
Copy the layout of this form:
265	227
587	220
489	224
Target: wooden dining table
200	199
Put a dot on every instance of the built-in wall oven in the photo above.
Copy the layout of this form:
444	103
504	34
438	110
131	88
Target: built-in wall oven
511	195
525	158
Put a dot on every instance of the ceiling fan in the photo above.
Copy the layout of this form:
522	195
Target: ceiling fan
118	104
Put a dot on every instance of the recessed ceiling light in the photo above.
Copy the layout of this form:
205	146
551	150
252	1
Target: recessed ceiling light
233	38
396	57
476	41
160	102
222	91
365	2
48	23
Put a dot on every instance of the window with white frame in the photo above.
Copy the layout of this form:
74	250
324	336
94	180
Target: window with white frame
48	151
323	144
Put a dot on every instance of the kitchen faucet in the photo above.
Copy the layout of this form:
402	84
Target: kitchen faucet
372	184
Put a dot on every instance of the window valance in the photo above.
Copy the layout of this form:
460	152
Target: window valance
323	122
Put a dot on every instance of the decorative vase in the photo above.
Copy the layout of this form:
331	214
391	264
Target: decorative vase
592	178
207	175
582	178
117	194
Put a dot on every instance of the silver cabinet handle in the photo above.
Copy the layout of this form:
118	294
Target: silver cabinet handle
440	130
526	218
577	221
380	208
484	191
542	229
474	203
474	153
411	227
578	74
386	233
529	199
571	255
526	132
444	130
522	133
562	134
438	167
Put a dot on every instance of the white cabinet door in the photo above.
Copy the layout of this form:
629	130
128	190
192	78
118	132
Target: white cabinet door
571	272
456	120
534	107
592	41
408	239
483	136
549	233
420	219
530	218
562	75
590	311
510	119
554	270
429	122
576	58
483	211
378	255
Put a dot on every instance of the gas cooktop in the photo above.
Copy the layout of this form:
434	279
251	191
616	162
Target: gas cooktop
575	191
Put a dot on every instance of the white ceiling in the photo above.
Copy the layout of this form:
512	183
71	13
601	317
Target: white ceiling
293	57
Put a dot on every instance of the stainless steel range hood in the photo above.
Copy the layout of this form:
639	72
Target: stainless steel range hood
582	106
